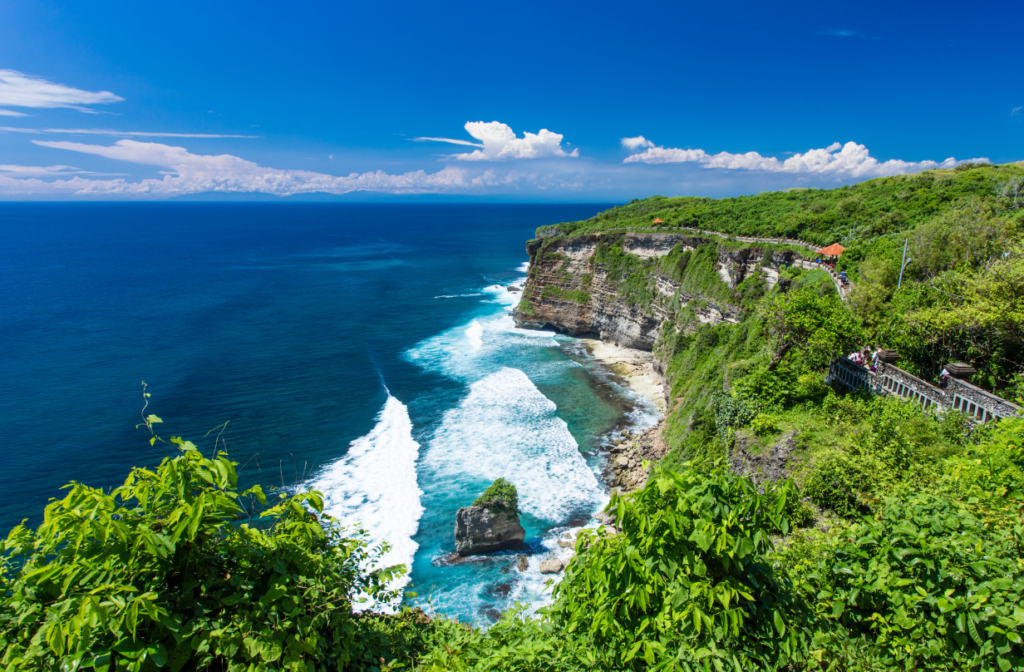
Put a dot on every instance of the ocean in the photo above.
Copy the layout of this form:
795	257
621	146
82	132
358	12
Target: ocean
365	350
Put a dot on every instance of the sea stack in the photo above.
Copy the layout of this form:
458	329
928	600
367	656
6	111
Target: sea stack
491	523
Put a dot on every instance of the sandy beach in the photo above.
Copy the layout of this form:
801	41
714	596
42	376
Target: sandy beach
636	366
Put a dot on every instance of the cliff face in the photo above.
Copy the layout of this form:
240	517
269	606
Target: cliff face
626	295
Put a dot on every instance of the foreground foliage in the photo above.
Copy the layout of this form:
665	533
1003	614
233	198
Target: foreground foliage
160	573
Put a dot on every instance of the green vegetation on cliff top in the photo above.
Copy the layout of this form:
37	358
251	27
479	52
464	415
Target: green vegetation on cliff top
819	216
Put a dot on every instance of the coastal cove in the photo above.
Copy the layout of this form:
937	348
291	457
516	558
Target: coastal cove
365	350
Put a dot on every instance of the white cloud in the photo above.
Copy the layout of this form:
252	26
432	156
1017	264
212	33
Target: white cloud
837	161
639	142
20	90
498	142
107	131
39	171
452	141
12	113
1015	111
188	173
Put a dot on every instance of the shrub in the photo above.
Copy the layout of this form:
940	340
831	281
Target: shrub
686	580
500	496
926	586
765	424
771	389
731	412
161	573
841	483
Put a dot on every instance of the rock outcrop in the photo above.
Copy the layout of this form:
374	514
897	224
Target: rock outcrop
480	530
625	462
749	459
551	566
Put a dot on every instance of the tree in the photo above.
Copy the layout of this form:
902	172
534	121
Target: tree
804	320
978	315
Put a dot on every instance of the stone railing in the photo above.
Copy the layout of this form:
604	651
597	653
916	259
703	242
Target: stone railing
978	403
850	375
895	381
889	379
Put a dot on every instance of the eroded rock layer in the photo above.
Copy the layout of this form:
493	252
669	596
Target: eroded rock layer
573	291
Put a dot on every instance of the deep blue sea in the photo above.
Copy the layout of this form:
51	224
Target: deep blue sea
362	349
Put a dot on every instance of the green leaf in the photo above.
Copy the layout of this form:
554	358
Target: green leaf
780	625
270	651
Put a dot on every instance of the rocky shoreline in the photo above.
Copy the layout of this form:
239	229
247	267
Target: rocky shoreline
624	470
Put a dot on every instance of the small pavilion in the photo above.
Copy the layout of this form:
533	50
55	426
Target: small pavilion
832	252
657	221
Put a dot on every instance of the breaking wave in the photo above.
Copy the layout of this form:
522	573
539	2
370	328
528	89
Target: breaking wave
506	428
375	485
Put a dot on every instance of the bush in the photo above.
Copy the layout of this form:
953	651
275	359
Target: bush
161	573
926	586
500	496
770	389
841	483
686	580
765	424
731	412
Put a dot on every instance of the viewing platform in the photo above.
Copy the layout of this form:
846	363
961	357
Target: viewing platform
959	395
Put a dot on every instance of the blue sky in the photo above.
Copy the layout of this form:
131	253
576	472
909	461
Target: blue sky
692	98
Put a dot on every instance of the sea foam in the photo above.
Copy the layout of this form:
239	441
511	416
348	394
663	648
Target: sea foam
375	485
505	427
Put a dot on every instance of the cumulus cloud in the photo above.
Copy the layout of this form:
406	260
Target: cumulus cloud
639	142
187	173
12	113
107	131
498	142
836	161
20	90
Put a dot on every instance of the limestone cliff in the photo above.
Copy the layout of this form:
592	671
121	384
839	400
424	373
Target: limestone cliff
621	287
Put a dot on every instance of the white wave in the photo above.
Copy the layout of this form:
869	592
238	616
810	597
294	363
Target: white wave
467	356
475	334
457	296
374	484
524	267
505	427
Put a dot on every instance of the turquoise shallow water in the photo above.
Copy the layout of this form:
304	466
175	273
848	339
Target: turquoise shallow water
362	349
